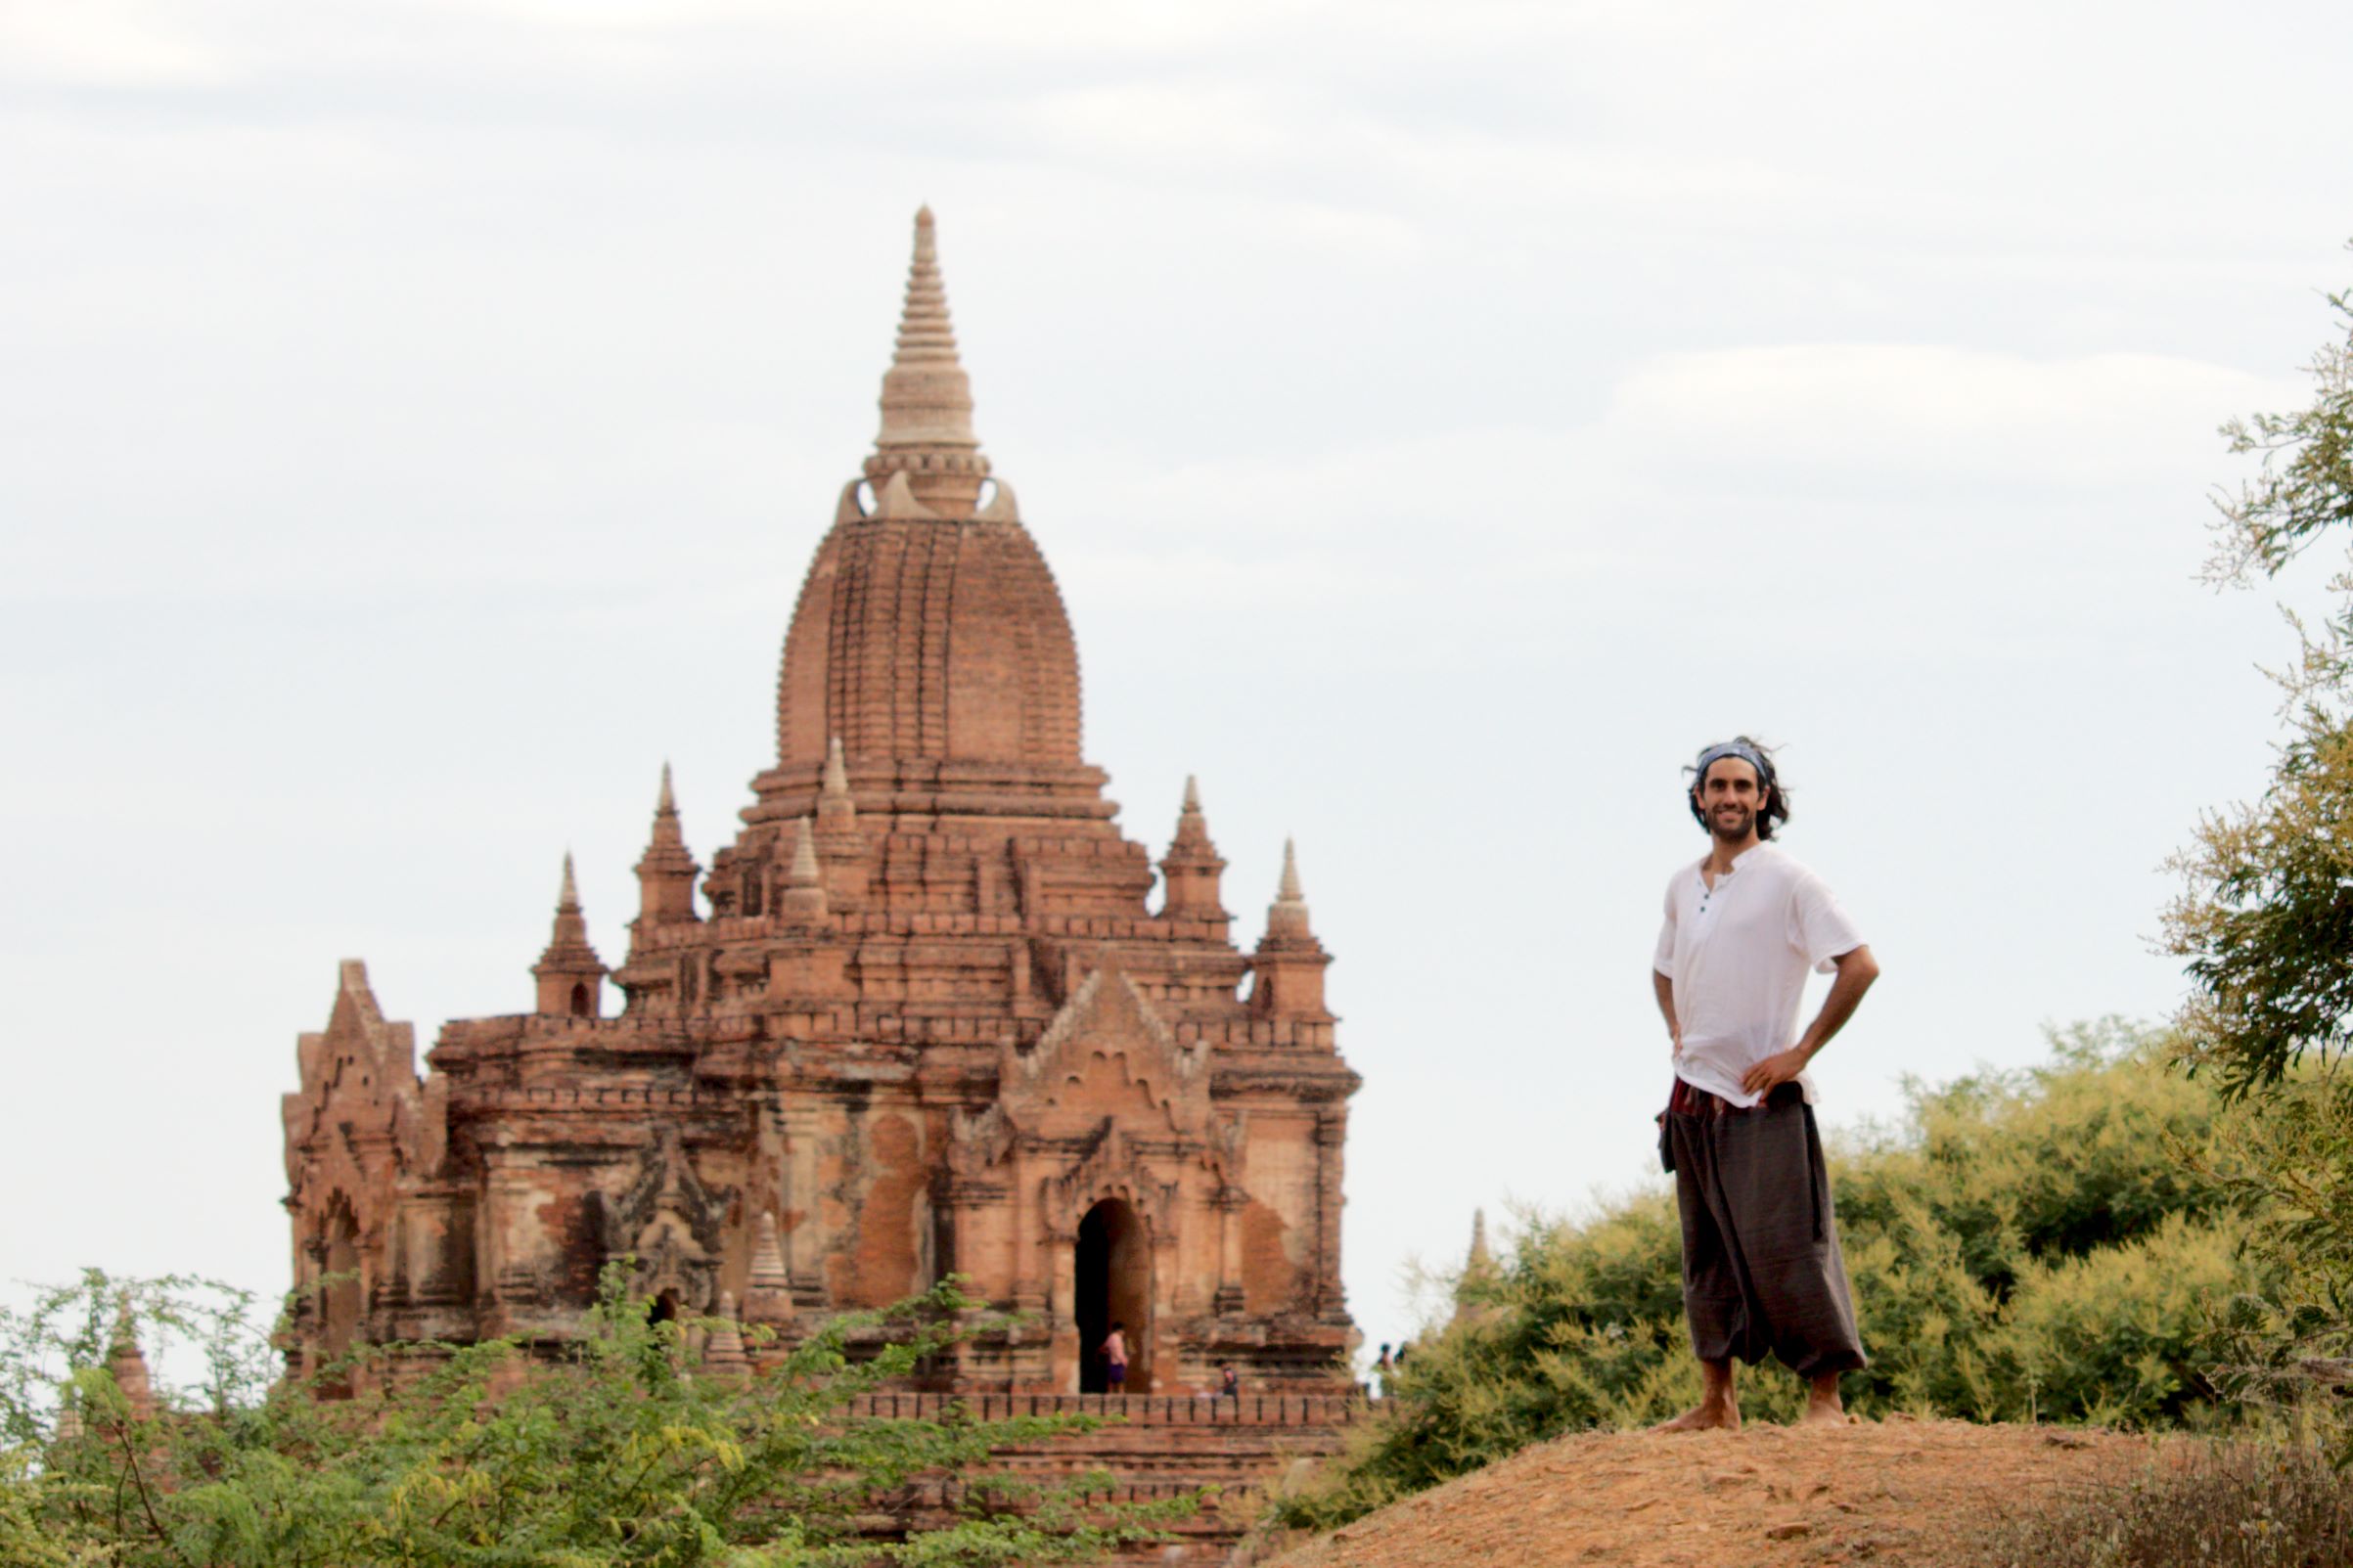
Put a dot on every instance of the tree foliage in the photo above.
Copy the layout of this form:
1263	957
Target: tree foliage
628	1449
2043	1245
2265	922
2306	485
2265	915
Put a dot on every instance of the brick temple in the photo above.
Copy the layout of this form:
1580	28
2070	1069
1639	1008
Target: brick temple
925	1015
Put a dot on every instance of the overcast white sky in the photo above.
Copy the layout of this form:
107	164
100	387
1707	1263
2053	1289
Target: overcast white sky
415	420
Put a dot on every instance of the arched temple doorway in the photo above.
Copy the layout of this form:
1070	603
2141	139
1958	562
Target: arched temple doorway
339	1299
1113	1287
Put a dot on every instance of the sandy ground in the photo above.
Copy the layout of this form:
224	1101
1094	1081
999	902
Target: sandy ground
1897	1492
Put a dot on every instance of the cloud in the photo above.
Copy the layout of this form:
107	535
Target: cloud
1774	424
109	43
1852	414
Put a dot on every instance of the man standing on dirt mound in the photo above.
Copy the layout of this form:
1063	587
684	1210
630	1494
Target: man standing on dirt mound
1761	1267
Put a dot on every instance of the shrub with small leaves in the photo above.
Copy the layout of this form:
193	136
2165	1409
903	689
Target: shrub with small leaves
627	1449
2036	1245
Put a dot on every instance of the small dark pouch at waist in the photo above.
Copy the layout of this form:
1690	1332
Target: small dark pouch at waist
1685	1101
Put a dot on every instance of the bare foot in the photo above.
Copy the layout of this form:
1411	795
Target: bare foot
1703	1418
1824	1413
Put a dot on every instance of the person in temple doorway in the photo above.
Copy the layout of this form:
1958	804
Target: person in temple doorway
1113	1352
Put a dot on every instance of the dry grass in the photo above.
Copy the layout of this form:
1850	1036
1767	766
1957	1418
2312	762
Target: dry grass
1896	1492
2226	1506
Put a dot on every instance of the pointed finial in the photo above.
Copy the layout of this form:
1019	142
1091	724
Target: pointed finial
1286	919
924	330
927	429
569	972
804	900
927	399
1192	866
1473	1289
894	501
1192	846
768	1292
667	805
805	872
723	1346
768	1256
837	812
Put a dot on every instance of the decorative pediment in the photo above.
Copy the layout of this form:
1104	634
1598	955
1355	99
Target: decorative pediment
1111	1167
360	1093
668	1221
1107	1055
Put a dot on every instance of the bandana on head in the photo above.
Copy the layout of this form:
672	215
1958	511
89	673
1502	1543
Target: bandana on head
1735	749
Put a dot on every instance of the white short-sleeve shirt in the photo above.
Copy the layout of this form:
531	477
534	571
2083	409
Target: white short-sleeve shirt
1737	954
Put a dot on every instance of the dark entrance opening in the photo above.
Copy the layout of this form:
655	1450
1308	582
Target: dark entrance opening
340	1296
1113	1287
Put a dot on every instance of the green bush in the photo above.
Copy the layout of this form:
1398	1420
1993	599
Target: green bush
2032	1245
2287	1345
628	1449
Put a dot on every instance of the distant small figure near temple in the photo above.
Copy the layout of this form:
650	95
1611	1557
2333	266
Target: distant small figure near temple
924	1019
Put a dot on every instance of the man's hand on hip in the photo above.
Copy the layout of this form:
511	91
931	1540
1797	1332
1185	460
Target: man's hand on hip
1782	1067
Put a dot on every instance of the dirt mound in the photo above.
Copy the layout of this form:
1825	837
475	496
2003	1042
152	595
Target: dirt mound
1894	1492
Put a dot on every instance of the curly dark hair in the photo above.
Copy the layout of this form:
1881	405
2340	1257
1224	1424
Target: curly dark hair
1776	808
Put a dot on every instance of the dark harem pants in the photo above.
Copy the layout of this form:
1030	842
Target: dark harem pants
1761	1267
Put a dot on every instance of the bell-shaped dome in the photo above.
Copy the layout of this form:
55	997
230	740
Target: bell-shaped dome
930	632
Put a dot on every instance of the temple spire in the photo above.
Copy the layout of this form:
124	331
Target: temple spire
1474	1291
836	771
836	810
1286	918
723	1343
768	1296
1191	868
805	885
667	834
128	1364
570	973
926	432
1289	961
666	872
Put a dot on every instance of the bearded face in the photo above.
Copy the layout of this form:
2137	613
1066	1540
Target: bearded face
1730	796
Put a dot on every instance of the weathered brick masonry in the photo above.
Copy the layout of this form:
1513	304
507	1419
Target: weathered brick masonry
926	1020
